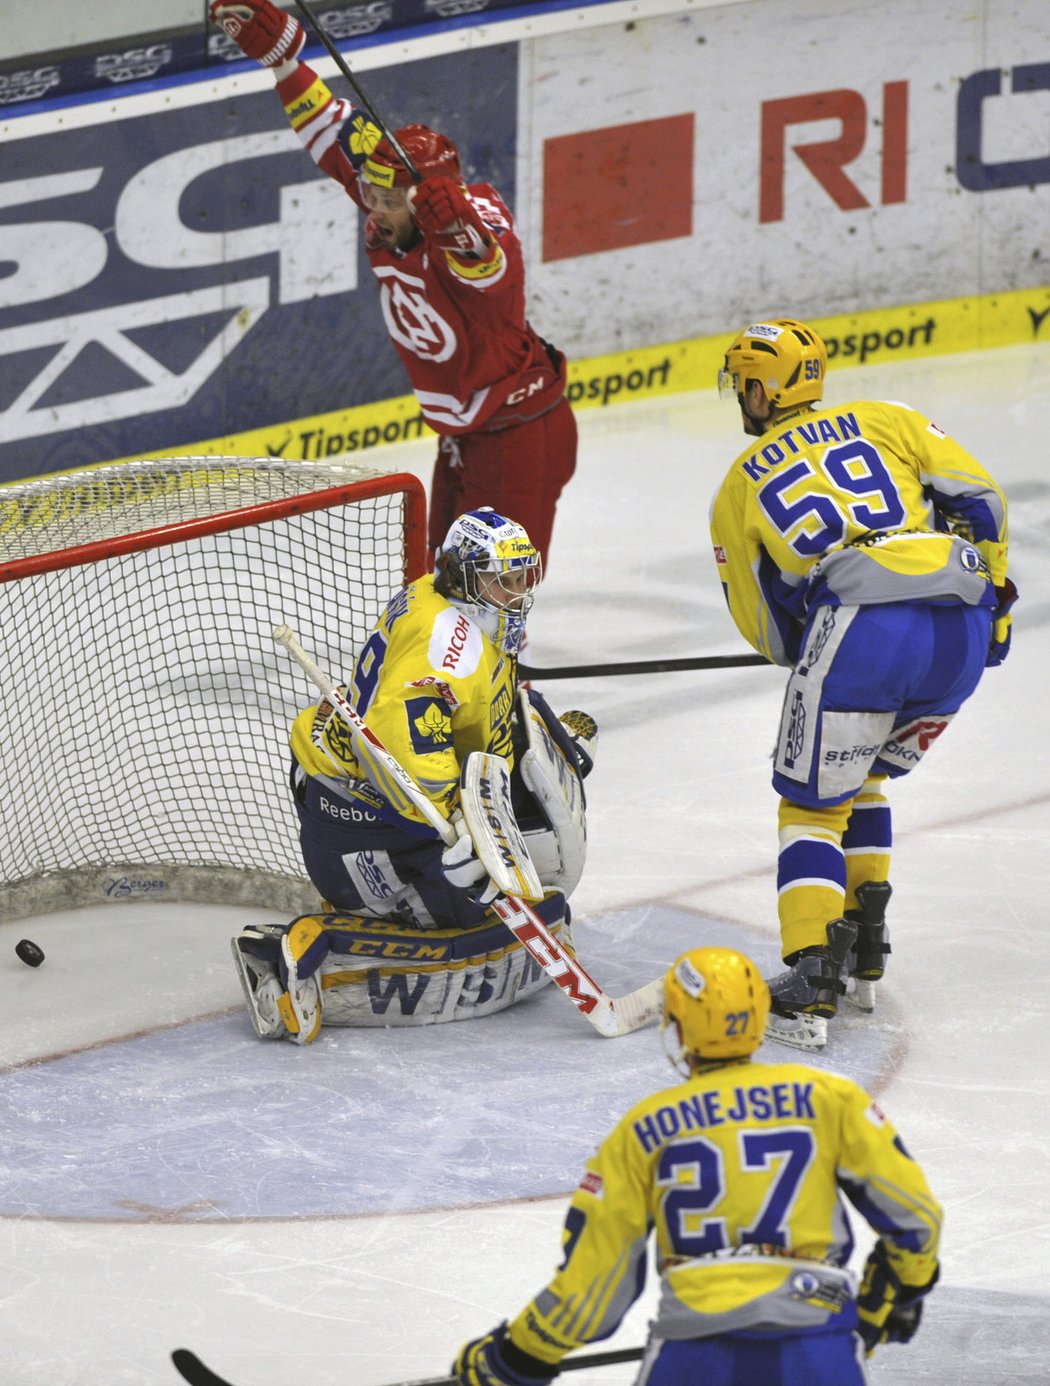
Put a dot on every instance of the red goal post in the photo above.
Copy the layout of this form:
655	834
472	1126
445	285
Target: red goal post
144	708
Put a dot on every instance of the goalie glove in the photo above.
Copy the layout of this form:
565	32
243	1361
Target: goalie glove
464	869
493	1360
260	30
1002	622
583	730
444	214
889	1311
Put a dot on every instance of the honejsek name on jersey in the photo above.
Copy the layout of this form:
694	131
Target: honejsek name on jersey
703	1110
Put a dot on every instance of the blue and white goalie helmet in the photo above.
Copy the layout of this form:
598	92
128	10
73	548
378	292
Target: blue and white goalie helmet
489	566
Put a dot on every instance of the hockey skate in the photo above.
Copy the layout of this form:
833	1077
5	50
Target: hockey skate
806	996
275	1012
867	959
260	982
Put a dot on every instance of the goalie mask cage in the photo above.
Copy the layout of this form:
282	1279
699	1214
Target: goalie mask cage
145	707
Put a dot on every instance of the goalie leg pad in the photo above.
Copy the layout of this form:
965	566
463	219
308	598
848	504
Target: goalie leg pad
303	949
304	946
301	1010
556	784
380	974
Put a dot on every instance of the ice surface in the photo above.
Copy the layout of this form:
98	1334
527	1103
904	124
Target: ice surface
351	1212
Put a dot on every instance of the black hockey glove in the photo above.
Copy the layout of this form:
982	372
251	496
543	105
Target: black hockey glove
493	1360
889	1311
1002	626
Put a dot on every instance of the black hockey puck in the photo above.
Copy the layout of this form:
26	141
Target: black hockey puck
30	953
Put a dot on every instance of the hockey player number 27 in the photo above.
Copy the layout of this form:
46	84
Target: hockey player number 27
693	1172
853	469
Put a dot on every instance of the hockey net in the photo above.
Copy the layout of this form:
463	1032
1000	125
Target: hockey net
145	707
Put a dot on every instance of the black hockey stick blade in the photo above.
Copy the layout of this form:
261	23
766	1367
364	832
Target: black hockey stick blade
359	91
644	666
192	1369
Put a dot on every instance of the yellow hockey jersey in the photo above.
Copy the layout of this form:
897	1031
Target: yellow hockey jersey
431	685
739	1173
863	503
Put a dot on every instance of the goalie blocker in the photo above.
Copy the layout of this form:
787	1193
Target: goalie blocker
529	830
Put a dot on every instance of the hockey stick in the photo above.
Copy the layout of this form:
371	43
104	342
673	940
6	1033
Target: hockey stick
610	1016
192	1369
358	90
644	666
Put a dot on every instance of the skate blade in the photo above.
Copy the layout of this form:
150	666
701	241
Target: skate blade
799	1031
861	994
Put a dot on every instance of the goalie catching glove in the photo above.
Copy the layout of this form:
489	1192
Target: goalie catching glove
444	213
493	1360
260	30
889	1311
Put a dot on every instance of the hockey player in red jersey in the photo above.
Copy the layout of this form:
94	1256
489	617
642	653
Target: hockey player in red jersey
451	279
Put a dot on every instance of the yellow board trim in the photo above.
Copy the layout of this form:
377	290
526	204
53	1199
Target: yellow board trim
870	338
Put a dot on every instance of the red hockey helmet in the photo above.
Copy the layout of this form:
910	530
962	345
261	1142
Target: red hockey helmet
431	154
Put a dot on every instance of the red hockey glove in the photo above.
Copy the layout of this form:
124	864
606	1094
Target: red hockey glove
444	213
260	30
1001	625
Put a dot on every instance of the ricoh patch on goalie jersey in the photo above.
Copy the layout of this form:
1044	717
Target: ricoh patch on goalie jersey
429	725
455	644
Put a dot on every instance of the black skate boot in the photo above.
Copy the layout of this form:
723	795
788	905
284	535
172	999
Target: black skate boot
807	996
867	959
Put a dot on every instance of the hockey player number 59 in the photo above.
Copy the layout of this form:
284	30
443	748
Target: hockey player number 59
693	1172
852	469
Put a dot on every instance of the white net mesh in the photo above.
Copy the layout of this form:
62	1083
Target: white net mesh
144	708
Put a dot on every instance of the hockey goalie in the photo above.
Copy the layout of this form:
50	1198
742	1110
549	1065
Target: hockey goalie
405	935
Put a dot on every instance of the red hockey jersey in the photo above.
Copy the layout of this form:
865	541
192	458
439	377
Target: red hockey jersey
458	325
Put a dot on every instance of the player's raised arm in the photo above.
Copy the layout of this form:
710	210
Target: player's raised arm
276	39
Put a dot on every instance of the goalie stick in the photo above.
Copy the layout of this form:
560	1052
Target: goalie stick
610	1016
344	67
192	1369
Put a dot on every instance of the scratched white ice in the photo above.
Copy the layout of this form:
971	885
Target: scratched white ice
350	1213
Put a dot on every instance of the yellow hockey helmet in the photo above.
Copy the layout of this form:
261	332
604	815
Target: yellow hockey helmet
788	358
715	1007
